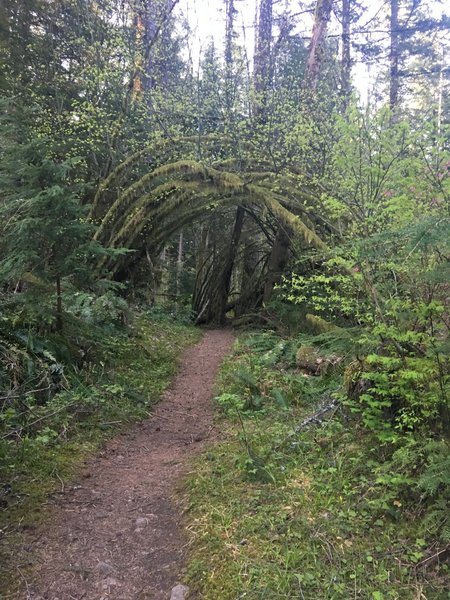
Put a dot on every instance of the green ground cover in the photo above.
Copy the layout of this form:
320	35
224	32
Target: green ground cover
43	445
329	512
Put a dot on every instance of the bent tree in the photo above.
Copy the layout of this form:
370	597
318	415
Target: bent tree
165	193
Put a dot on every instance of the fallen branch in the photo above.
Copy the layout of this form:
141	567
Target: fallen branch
200	315
18	430
316	417
24	393
433	558
61	482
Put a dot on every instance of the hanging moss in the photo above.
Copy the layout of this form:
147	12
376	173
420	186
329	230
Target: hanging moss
156	149
113	176
165	199
125	201
265	197
150	210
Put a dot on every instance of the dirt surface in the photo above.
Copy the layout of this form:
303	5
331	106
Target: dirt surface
115	534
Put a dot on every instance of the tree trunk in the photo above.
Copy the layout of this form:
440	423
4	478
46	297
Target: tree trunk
212	287
262	69
277	262
346	64
251	278
221	290
143	47
315	52
164	283
179	263
230	12
149	13
394	57
59	310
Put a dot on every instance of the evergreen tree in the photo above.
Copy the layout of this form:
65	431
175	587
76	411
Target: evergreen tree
46	239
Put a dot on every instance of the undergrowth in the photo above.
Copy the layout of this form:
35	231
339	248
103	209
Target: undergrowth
323	511
43	444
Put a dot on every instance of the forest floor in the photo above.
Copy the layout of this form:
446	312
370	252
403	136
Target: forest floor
115	532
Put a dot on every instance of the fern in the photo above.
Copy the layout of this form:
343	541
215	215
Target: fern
436	477
247	379
280	398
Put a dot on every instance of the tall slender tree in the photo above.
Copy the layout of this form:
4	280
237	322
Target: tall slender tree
394	54
229	34
262	69
315	53
346	62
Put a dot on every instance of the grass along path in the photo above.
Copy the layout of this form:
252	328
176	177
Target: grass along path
320	515
114	532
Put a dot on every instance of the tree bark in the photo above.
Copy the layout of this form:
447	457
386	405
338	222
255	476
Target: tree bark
212	287
346	64
277	262
221	290
149	12
179	263
262	69
59	310
315	52
251	277
394	57
230	12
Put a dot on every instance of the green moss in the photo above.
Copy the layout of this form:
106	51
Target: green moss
319	325
307	357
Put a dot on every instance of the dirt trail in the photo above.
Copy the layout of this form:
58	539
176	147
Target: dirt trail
115	534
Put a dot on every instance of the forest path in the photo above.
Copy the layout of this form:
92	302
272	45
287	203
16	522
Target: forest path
116	533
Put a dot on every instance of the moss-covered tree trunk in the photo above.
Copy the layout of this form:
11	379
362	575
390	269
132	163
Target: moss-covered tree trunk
278	259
